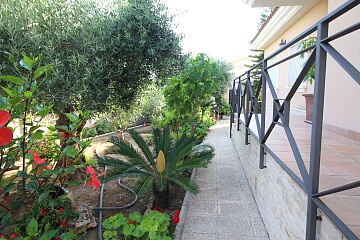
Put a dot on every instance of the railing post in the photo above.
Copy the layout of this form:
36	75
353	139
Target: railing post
263	110
246	107
232	107
316	133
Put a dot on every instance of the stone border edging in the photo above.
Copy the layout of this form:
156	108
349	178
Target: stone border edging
184	210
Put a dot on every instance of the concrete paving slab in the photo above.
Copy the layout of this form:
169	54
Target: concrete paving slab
225	208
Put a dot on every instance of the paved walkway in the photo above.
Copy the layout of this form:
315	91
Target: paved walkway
225	208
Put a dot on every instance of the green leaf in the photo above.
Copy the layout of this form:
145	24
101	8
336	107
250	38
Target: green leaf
23	174
73	183
38	135
31	186
32	228
8	91
70	151
27	62
51	128
43	196
49	235
3	102
41	70
43	112
28	95
72	117
13	79
8	188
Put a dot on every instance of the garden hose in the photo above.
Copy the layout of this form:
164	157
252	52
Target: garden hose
101	208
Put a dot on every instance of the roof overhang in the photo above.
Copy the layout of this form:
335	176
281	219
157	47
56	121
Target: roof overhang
273	3
283	19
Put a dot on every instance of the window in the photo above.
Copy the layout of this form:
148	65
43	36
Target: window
274	72
295	66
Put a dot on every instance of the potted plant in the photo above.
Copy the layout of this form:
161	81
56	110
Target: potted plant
310	77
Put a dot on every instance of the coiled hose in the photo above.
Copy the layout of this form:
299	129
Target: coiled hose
101	208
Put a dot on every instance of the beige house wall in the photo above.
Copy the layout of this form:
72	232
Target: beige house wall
342	96
311	17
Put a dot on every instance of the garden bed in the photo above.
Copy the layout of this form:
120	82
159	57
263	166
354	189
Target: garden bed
115	196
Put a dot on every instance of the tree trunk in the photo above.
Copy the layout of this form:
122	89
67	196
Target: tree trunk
161	198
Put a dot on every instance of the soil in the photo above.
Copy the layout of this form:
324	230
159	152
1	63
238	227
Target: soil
114	195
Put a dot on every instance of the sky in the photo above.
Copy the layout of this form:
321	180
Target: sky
221	29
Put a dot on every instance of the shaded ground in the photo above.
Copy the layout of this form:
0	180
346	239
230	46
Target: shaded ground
115	196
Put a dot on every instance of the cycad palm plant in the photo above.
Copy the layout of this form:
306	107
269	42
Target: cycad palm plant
158	166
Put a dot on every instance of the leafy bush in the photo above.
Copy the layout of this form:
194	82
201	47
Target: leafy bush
32	162
154	225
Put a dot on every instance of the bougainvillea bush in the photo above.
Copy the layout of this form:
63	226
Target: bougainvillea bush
36	162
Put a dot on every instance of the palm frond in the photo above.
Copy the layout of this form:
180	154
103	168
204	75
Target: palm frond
144	185
118	168
185	183
182	148
156	137
142	145
126	150
189	164
203	151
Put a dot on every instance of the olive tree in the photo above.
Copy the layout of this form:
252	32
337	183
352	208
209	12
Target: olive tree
102	54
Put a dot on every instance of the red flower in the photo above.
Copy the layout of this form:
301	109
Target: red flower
93	182
42	212
6	135
60	210
73	208
131	222
2	236
176	213
175	219
14	235
57	239
158	209
66	135
91	171
36	157
63	223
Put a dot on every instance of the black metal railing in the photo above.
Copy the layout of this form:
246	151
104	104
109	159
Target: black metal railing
246	107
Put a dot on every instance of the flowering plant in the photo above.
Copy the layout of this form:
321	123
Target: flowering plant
36	162
153	225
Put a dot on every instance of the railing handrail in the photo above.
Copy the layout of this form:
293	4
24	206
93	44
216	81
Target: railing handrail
245	102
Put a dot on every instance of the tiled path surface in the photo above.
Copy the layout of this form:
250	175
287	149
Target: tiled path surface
225	208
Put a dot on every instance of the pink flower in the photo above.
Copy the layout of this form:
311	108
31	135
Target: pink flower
6	135
36	157
2	235
14	235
